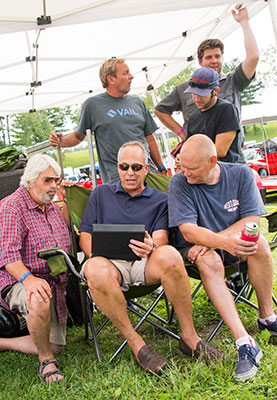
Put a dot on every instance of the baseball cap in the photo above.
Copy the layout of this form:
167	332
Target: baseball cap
203	81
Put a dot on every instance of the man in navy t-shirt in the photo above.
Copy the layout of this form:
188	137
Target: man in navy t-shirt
210	202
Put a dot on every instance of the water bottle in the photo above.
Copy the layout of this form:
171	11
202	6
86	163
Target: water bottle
250	232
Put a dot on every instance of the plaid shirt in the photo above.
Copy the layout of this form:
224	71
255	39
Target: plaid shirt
25	229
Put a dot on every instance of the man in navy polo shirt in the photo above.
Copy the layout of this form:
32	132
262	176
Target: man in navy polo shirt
131	201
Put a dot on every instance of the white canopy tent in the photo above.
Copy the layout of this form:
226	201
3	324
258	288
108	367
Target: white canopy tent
57	63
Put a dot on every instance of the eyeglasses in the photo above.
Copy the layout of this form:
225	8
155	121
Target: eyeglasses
49	179
202	85
135	167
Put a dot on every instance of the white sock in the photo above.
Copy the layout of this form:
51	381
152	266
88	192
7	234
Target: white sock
245	340
268	320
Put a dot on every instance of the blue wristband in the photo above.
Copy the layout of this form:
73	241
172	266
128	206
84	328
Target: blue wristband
161	167
25	276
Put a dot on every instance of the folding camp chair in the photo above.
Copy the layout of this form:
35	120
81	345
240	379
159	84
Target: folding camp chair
237	281
76	198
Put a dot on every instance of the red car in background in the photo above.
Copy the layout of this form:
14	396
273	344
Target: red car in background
262	157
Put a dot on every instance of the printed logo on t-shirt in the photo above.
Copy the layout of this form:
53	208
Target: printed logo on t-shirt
122	112
231	205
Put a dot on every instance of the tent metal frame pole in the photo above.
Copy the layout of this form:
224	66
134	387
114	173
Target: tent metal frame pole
91	157
264	136
273	15
163	131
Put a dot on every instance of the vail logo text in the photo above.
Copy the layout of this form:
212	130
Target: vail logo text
122	112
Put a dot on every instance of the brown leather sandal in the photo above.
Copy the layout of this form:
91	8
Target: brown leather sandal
44	364
150	360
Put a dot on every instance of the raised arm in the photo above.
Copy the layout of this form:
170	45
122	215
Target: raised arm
249	65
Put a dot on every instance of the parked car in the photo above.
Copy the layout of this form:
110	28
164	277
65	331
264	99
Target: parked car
259	183
263	157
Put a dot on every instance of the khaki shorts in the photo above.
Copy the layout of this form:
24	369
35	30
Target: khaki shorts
132	272
16	300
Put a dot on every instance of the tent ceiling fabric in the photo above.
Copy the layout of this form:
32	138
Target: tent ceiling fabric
64	68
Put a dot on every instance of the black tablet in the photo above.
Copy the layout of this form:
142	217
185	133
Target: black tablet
111	240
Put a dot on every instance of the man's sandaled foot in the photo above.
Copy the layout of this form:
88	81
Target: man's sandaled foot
150	360
49	375
203	350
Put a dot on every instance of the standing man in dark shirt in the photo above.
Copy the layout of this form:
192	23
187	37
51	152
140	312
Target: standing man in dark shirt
214	117
210	54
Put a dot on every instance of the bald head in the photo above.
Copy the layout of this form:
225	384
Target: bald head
199	146
198	160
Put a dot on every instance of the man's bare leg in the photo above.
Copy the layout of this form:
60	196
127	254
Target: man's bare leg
166	265
260	272
212	275
104	281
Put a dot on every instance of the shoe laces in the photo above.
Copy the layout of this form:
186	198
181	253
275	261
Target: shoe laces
245	353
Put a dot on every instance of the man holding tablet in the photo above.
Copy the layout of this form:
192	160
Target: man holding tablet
131	201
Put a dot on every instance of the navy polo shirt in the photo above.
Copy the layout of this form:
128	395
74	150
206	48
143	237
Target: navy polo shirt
110	204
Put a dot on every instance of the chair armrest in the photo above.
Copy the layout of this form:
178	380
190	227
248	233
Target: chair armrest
70	261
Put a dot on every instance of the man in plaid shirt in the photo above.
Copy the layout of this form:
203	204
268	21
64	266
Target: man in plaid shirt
30	221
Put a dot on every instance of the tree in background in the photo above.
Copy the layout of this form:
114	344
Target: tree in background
61	118
30	128
251	93
167	87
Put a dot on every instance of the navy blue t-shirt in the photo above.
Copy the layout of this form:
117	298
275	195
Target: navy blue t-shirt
215	207
110	204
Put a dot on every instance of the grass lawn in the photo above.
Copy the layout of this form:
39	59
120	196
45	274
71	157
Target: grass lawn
185	378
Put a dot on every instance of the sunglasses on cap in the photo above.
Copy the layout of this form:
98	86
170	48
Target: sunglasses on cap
49	179
202	85
135	167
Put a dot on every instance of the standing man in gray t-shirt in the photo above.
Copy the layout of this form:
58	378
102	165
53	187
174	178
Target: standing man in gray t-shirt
210	54
115	118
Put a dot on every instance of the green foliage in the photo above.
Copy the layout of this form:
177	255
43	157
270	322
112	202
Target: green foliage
167	87
249	95
31	128
59	117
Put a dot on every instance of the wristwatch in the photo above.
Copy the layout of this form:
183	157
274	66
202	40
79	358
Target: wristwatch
162	168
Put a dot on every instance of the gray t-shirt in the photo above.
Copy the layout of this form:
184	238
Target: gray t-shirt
115	120
231	85
215	207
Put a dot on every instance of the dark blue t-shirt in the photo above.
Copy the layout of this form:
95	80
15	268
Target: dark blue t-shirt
110	204
215	207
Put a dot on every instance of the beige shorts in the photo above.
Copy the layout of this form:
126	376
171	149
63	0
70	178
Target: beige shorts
132	272
16	299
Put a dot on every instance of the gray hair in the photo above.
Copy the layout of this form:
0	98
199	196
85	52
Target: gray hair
35	166
134	143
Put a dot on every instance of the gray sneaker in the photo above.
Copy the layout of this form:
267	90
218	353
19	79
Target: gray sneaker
247	362
271	327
